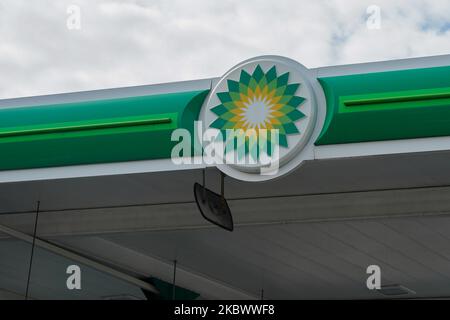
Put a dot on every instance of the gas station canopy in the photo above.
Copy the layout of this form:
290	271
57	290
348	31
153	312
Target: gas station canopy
362	178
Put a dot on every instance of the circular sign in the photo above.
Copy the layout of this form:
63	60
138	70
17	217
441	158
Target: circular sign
262	114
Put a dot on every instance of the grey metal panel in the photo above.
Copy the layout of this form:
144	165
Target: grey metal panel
407	246
382	66
317	177
372	246
112	93
338	249
310	260
267	257
422	235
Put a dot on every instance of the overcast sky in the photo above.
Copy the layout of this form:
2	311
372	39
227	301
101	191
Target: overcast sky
123	43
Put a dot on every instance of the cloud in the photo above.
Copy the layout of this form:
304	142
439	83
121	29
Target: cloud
123	43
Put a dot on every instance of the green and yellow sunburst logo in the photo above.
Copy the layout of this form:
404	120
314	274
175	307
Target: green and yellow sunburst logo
261	100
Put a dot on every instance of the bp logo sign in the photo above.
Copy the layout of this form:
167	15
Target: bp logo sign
264	112
260	100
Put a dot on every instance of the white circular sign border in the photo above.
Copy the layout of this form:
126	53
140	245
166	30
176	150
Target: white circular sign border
305	147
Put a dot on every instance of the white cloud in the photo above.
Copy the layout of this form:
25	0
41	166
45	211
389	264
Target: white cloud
124	43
